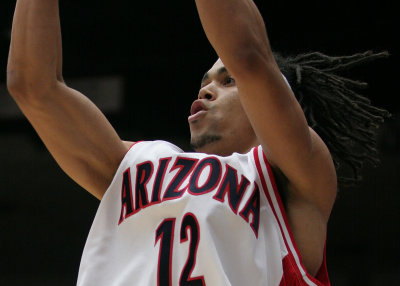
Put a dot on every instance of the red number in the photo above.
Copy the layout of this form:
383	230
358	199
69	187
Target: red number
165	233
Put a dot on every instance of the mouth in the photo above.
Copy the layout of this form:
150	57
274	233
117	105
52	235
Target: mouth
198	108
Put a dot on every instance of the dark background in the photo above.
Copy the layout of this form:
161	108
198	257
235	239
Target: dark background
158	50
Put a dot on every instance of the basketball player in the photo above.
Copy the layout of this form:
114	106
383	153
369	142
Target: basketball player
249	207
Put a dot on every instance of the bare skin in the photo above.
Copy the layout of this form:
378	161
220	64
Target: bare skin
256	108
237	33
73	129
224	117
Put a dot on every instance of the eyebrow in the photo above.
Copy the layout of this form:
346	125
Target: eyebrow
220	71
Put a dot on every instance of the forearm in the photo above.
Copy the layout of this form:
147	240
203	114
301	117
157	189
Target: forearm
35	50
236	30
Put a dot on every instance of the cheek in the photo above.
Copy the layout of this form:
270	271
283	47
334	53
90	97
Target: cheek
233	116
237	116
231	103
228	112
235	109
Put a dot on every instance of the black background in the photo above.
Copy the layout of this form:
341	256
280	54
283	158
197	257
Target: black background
161	52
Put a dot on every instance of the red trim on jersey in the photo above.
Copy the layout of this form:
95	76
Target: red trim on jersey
292	277
133	144
291	272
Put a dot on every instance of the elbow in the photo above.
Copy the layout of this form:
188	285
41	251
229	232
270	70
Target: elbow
26	86
16	83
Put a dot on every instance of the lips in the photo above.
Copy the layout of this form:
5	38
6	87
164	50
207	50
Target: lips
197	106
197	110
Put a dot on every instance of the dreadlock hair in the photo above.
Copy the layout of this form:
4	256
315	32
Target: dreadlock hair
345	120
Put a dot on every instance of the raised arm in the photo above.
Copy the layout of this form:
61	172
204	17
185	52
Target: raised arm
237	32
73	129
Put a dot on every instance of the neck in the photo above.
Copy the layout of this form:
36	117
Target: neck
226	148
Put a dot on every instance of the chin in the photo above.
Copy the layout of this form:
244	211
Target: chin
206	144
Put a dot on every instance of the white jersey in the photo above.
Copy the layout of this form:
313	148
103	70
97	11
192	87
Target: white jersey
173	218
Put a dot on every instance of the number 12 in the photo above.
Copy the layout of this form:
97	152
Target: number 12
165	233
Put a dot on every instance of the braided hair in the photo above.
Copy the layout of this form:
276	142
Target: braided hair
345	120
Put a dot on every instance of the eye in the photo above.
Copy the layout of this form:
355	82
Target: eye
229	81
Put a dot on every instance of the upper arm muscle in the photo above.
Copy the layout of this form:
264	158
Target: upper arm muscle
282	130
77	134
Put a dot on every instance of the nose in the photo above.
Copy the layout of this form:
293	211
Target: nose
207	92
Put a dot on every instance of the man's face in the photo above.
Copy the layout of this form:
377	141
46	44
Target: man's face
218	123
